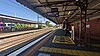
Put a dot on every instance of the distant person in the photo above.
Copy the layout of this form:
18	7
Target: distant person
67	32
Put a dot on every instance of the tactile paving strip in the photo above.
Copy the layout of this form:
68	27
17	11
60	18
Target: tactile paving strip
63	40
69	51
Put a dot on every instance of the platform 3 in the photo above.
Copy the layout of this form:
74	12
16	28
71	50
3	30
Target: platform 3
52	48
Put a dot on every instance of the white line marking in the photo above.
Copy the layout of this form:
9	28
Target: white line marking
27	46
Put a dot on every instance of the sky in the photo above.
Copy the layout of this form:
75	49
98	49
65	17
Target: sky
13	8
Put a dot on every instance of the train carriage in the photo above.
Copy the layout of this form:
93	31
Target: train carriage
10	24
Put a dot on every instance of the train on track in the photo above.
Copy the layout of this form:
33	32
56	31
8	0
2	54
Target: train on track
13	24
11	27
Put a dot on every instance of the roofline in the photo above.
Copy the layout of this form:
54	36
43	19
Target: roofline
16	18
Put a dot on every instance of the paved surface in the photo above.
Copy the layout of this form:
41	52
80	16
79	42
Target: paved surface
47	48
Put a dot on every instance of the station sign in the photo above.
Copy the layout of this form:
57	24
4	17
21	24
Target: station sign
54	12
54	9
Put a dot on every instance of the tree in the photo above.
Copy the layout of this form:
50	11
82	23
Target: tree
40	26
48	24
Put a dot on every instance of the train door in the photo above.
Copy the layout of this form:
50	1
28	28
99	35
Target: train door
1	26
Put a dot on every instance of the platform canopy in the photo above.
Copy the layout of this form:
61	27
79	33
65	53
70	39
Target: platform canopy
6	18
59	10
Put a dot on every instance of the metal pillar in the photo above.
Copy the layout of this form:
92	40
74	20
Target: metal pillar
82	36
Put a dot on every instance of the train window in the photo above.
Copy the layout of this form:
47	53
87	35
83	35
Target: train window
10	24
1	24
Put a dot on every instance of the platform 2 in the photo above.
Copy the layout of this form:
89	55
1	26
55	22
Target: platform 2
51	47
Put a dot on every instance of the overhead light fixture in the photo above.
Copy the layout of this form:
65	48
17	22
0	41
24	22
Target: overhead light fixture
69	12
76	0
65	18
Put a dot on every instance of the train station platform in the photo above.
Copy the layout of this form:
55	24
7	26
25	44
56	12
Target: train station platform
58	44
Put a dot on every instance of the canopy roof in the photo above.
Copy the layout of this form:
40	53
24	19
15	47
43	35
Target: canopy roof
17	19
66	9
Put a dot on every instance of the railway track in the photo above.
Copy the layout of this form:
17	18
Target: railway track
20	50
12	34
13	41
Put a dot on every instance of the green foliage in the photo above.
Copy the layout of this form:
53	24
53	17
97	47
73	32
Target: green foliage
48	24
40	26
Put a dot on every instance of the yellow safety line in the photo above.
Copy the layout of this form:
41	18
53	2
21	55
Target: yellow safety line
54	39
69	51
